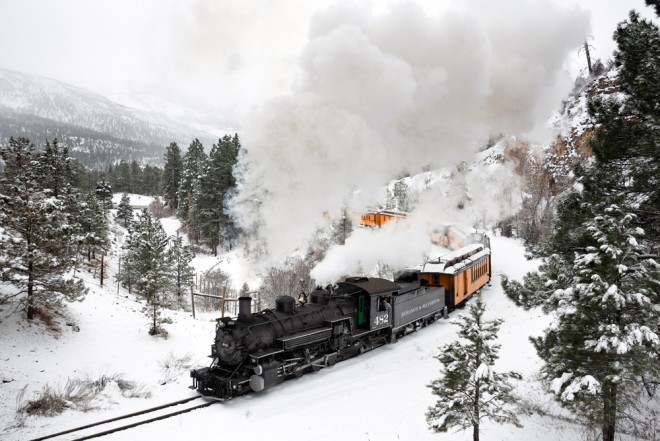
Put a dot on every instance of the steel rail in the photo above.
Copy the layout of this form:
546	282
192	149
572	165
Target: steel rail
139	423
123	417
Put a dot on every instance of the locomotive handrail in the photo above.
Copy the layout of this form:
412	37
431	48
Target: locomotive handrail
275	319
270	322
240	365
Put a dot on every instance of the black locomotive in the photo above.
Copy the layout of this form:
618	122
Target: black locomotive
255	351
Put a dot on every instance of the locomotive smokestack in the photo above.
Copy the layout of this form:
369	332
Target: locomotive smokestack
244	307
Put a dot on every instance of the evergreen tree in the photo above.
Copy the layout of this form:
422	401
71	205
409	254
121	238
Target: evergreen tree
55	175
400	195
121	179
93	227
341	228
231	152
469	390
208	201
193	163
145	263
172	175
605	344
36	233
215	183
136	177
151	181
132	178
655	4
180	257
627	143
103	191
124	211
598	275
53	169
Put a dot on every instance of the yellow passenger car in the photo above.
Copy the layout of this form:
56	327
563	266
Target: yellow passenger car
461	273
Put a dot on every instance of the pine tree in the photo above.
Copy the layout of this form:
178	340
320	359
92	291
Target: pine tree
231	152
400	195
136	177
655	4
152	178
172	175
180	257
215	183
36	233
208	200
598	275
605	344
103	191
55	174
93	227
193	163
145	264
53	168
124	211
469	390
121	179
341	228
628	140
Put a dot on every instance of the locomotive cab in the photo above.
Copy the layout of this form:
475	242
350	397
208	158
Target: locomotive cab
381	311
372	313
370	292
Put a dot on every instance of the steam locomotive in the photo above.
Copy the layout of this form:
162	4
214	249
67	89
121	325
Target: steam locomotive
255	351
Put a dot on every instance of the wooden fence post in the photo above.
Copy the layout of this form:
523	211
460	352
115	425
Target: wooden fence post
222	306
192	301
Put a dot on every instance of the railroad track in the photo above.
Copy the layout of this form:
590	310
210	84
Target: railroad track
129	416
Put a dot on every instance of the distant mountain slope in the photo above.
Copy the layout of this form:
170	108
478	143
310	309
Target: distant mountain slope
95	129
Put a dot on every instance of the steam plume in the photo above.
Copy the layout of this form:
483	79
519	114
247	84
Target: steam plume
381	94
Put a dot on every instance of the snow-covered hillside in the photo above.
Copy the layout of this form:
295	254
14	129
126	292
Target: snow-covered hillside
89	124
381	395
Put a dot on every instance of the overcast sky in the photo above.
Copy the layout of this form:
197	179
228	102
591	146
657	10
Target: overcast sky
230	54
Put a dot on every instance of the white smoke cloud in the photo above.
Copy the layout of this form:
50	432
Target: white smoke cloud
484	194
382	93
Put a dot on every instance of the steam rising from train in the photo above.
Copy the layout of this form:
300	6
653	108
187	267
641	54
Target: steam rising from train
387	93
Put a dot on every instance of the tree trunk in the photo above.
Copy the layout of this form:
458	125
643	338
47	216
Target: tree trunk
102	255
154	328
609	411
586	50
477	384
30	293
475	424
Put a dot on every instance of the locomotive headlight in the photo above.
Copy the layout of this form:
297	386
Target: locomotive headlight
221	324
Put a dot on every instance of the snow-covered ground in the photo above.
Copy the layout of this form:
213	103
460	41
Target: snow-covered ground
381	395
136	200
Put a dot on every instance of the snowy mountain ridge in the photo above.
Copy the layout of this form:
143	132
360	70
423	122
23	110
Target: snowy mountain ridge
96	129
